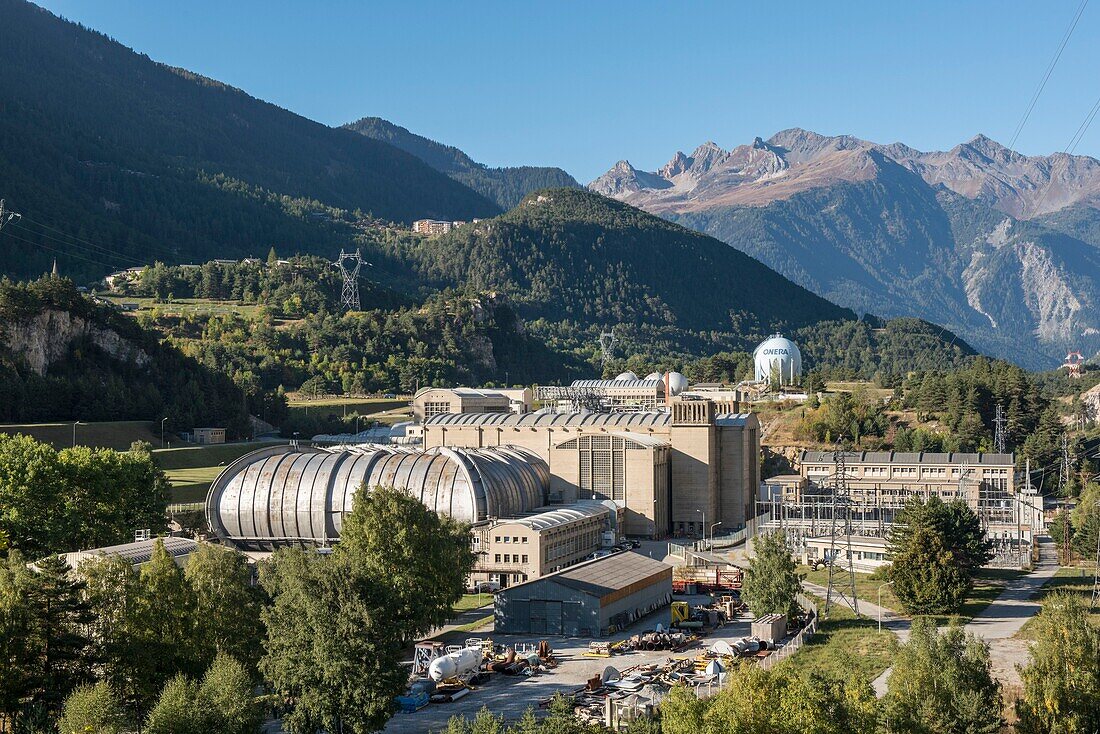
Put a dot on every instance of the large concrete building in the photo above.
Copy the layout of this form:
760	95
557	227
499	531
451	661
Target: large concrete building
879	483
673	472
431	401
591	599
514	550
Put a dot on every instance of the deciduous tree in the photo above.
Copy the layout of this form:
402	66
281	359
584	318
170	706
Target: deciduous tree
942	684
1062	679
771	583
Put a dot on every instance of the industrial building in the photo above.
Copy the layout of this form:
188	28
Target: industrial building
285	495
430	401
674	472
515	550
137	553
590	599
879	483
777	361
625	393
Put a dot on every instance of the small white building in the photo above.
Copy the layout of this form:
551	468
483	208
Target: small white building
868	553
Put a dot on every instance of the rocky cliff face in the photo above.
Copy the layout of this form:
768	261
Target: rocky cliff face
50	336
887	229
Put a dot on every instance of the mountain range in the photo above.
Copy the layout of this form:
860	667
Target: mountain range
505	186
1002	247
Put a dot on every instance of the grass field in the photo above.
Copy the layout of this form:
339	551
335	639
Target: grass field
383	410
988	585
108	434
1077	580
188	306
846	646
191	469
866	587
472	601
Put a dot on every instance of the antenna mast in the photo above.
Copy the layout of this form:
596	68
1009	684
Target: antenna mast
841	582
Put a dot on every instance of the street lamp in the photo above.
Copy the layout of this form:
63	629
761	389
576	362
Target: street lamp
162	420
880	588
75	424
712	527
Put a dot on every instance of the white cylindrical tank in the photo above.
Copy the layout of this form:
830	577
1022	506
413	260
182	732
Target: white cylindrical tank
676	383
653	376
464	661
778	359
627	376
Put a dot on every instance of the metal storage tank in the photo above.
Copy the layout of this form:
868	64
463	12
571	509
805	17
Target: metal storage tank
284	495
778	358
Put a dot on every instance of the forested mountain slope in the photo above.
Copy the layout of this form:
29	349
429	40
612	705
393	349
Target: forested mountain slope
141	160
567	255
506	186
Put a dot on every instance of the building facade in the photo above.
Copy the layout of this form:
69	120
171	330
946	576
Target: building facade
432	401
672	472
591	599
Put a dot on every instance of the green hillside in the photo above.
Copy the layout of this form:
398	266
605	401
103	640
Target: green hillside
567	255
140	160
505	186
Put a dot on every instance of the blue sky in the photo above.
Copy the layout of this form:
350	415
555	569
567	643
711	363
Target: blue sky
583	84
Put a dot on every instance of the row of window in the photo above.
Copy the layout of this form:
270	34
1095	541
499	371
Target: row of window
510	558
512	539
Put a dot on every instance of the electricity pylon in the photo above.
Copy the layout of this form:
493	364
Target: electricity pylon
841	582
349	294
7	215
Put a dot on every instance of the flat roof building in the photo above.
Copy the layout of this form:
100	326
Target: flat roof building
590	599
432	401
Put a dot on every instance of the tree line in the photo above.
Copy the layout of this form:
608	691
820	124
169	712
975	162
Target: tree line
110	648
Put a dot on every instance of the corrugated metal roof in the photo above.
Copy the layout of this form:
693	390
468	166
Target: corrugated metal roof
138	552
637	384
640	419
603	576
560	516
908	457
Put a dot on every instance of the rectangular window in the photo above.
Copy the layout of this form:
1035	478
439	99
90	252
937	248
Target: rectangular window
525	559
496	558
436	408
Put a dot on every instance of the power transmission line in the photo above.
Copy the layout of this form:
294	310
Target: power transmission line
1046	76
104	253
151	247
66	253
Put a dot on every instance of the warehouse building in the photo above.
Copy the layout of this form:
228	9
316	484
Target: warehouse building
430	401
672	471
590	599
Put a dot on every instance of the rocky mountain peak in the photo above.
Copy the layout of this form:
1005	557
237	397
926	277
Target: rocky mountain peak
679	164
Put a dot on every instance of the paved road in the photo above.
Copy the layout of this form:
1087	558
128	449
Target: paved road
1002	619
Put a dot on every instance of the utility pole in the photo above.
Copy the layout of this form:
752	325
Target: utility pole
999	434
349	264
6	215
843	584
